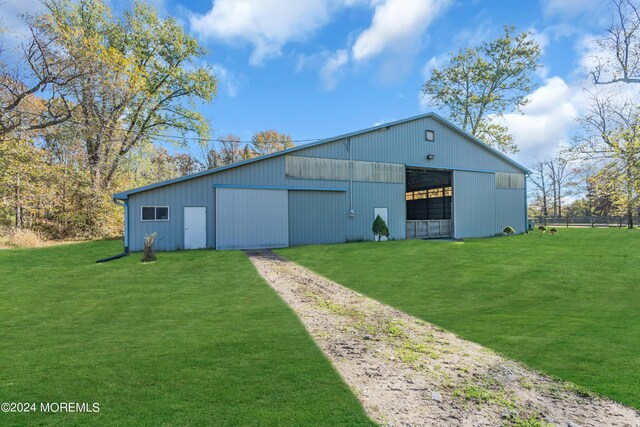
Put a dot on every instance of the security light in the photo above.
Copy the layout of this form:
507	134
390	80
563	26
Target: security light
431	156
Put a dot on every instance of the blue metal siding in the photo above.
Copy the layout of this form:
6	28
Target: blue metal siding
200	192
317	217
510	210
369	195
406	144
248	218
474	204
478	208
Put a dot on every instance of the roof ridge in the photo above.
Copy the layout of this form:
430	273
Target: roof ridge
123	195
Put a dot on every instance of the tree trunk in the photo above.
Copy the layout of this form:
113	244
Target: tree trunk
630	184
555	201
19	219
559	202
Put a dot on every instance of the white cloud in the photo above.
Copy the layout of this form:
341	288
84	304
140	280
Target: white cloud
227	79
397	25
383	121
468	37
542	38
438	61
330	71
266	24
546	121
571	8
330	66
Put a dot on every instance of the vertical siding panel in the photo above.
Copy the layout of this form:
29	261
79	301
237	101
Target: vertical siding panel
474	195
405	143
317	217
366	197
252	219
510	210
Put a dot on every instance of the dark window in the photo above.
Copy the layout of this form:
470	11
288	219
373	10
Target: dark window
430	135
148	214
162	213
155	213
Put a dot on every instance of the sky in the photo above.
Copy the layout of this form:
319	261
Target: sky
321	68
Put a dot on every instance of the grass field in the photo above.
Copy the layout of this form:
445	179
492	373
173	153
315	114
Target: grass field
196	338
568	305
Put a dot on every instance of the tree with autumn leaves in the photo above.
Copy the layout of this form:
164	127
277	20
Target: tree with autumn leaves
100	98
104	88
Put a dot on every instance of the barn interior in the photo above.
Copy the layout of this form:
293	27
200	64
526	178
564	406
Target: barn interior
428	194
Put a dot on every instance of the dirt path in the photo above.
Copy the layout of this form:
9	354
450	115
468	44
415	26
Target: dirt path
407	372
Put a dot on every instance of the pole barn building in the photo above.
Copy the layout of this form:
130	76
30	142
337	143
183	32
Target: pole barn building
425	177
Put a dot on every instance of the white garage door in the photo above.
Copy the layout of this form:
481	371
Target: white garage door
248	218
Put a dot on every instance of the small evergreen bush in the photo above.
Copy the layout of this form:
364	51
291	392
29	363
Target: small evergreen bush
380	228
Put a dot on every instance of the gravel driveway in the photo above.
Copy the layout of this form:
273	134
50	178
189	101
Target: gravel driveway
407	372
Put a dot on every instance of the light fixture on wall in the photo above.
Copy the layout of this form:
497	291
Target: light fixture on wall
431	156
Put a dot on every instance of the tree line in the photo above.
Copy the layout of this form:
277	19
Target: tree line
95	103
84	104
601	167
598	169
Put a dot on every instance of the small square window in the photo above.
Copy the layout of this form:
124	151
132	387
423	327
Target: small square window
162	213
429	135
148	213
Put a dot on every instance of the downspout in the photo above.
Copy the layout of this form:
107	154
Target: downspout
352	213
125	205
526	206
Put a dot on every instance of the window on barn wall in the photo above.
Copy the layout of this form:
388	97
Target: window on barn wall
155	213
429	135
433	193
509	181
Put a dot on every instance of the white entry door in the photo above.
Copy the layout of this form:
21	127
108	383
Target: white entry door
384	214
195	227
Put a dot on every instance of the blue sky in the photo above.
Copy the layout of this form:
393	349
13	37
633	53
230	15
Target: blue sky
319	68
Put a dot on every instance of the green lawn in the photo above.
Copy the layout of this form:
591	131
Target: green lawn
196	338
568	305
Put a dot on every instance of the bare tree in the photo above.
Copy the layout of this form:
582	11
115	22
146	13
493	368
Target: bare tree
230	149
611	127
539	179
611	134
40	70
621	44
560	172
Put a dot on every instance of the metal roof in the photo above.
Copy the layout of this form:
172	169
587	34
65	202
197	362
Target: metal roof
123	195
